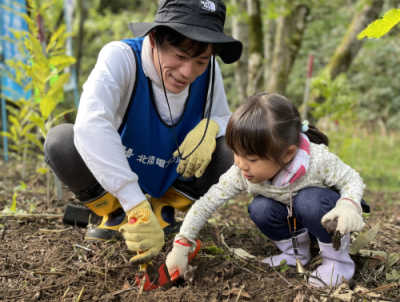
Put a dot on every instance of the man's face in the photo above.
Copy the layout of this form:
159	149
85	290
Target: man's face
178	66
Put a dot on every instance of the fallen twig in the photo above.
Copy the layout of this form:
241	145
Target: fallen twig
4	230
385	287
32	216
275	291
333	268
63	297
83	247
282	276
123	290
54	231
392	226
48	273
240	293
67	260
142	285
12	274
31	292
121	266
105	271
80	294
48	256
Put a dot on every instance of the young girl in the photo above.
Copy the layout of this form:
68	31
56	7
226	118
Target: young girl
286	164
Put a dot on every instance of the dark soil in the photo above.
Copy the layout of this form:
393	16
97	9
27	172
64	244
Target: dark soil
42	259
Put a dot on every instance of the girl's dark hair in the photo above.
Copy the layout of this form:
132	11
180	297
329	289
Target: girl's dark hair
265	125
175	39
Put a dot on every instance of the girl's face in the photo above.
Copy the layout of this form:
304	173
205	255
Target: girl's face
257	170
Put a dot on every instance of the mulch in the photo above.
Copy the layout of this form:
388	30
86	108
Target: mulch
42	259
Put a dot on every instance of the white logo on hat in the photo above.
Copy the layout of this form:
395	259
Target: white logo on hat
208	5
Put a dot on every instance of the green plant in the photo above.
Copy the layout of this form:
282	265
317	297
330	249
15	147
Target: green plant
380	27
213	250
21	135
13	209
283	267
339	100
44	65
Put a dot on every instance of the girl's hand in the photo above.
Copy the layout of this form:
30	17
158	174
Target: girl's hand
348	217
177	259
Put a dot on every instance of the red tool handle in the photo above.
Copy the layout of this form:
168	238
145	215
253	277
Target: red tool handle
175	275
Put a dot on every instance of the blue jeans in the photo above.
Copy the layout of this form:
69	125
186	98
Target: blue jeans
309	206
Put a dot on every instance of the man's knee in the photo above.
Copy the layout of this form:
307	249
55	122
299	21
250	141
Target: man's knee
64	159
58	141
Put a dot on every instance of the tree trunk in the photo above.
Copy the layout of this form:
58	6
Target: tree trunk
289	33
350	45
255	35
269	44
240	31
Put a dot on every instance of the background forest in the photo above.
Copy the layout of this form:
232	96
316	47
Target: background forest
354	94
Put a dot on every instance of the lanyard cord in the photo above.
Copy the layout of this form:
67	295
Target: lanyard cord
169	108
290	211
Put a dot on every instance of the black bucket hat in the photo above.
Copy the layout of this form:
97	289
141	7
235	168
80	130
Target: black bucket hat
199	20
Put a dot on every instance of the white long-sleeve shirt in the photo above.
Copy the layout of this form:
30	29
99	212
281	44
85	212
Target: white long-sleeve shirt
105	98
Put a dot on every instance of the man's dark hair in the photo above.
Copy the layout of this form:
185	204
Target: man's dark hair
175	39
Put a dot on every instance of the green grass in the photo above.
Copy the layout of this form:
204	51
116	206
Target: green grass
376	157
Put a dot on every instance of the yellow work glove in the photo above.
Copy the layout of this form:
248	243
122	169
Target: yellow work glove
145	235
197	163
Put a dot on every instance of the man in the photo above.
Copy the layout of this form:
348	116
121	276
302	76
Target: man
145	97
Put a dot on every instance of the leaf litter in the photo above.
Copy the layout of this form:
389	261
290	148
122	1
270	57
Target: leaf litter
56	265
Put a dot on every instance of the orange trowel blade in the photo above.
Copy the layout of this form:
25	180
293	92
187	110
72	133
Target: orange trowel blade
156	278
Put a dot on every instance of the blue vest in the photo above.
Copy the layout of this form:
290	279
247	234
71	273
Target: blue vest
149	142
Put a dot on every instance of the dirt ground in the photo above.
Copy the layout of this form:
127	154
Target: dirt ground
42	259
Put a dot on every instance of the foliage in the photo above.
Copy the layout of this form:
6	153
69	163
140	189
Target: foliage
372	154
380	27
13	209
105	27
214	250
283	267
339	100
372	77
43	65
20	134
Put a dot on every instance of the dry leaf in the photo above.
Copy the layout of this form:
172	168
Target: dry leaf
365	238
392	276
235	291
239	252
312	299
298	287
299	298
393	257
343	293
189	275
360	289
126	285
